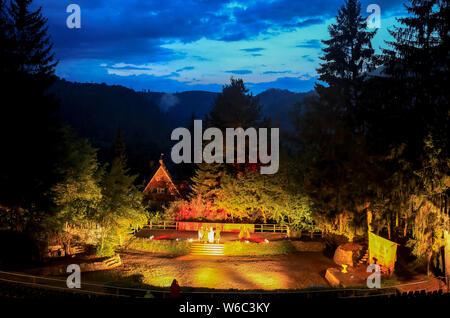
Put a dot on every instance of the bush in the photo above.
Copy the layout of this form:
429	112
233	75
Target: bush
161	246
257	249
108	250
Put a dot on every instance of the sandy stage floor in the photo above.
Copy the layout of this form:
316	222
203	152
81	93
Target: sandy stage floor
293	271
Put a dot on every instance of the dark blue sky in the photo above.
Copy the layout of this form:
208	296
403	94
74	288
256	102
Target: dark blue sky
176	45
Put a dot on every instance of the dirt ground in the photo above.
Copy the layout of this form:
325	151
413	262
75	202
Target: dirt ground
293	271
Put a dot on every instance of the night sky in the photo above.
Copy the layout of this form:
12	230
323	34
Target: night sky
183	45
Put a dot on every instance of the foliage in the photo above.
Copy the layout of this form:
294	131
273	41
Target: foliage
120	209
251	196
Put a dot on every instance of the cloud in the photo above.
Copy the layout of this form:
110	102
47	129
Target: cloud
186	68
240	72
302	83
276	72
308	58
254	49
304	23
310	44
140	33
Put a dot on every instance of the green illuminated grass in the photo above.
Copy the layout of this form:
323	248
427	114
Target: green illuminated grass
161	246
257	249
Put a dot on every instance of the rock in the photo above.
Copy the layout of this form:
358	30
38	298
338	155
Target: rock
308	246
331	277
348	253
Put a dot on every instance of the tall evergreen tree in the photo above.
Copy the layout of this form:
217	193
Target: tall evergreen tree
417	66
29	133
347	56
121	207
235	107
329	125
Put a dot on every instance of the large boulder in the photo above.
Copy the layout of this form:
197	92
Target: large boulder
348	254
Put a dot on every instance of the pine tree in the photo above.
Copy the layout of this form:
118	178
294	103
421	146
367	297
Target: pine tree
32	48
347	56
121	207
207	180
417	62
329	125
235	107
30	134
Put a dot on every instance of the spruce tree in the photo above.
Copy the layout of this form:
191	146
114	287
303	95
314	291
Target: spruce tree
32	48
330	129
234	107
121	207
347	56
417	65
30	133
207	180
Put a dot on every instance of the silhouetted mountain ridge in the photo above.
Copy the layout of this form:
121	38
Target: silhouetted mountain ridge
96	111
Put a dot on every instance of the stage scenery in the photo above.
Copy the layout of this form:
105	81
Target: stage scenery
251	153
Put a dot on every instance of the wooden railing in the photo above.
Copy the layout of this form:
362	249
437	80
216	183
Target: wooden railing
174	225
272	228
163	225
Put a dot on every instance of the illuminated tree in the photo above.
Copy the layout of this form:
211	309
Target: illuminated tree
120	209
431	217
79	194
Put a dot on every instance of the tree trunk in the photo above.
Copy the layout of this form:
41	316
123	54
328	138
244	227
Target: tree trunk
102	241
389	228
430	254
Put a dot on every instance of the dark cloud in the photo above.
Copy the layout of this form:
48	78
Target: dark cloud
240	72
295	84
254	49
134	31
276	72
186	68
310	44
308	58
303	24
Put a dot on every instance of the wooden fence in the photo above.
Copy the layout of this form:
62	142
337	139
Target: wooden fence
226	227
